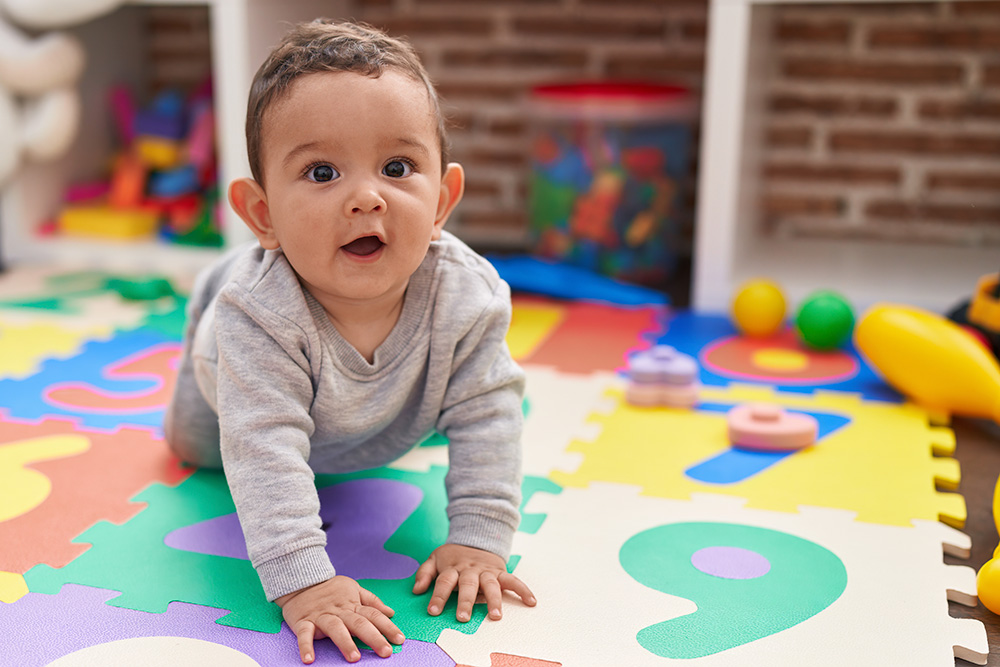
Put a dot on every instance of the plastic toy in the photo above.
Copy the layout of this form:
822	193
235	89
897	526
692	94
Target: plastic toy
758	309
931	360
108	222
988	579
128	182
769	427
981	313
824	320
663	376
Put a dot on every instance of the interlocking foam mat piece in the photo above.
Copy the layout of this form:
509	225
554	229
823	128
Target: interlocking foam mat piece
641	522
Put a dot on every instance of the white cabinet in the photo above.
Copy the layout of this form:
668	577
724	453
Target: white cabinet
728	247
242	32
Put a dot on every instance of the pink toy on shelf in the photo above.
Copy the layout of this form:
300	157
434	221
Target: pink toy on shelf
768	427
663	376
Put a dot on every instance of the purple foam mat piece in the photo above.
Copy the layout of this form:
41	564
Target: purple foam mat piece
362	514
731	562
38	629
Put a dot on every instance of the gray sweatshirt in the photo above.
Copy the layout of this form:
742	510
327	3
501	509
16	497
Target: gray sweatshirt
295	398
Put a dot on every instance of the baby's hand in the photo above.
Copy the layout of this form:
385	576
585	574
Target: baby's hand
339	608
477	573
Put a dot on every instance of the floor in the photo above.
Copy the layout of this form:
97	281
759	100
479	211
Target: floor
647	538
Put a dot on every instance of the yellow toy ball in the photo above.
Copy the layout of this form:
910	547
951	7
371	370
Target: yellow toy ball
759	308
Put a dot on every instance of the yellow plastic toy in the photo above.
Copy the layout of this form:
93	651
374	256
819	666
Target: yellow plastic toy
931	360
988	580
759	308
107	222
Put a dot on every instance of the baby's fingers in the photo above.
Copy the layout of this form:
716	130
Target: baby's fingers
425	575
304	633
509	582
369	599
337	631
468	591
385	627
443	587
490	588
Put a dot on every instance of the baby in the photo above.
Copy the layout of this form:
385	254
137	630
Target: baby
353	328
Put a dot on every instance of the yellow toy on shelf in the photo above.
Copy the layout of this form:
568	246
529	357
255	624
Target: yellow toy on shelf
931	360
988	580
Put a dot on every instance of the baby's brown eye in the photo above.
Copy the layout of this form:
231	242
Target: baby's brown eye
397	169
322	173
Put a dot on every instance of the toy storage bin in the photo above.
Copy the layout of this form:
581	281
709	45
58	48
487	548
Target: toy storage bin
608	168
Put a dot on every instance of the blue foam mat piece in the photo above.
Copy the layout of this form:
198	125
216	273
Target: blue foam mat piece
562	281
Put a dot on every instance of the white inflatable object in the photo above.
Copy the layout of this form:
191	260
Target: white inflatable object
10	141
34	66
49	14
39	104
50	124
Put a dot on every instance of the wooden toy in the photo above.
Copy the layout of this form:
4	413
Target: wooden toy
931	360
151	123
107	222
128	182
123	112
201	138
664	365
769	427
647	395
663	376
824	320
158	153
174	182
88	191
758	309
988	579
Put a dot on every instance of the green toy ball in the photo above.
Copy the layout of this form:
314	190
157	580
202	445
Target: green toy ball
825	320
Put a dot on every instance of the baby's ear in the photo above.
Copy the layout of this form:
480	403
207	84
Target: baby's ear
452	187
248	199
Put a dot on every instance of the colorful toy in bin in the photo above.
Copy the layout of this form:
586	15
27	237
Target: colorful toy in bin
108	222
988	579
607	161
163	179
931	360
758	308
769	427
825	320
663	376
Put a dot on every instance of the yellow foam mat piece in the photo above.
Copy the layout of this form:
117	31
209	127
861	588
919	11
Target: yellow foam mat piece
880	465
21	488
12	587
24	347
530	325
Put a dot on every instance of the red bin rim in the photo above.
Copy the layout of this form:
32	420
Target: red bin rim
610	91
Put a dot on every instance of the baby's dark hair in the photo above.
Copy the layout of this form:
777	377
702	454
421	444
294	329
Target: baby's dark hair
327	46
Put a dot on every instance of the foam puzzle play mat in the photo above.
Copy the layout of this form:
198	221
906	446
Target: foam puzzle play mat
648	538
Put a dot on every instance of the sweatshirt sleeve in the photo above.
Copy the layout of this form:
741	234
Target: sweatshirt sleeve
264	394
482	419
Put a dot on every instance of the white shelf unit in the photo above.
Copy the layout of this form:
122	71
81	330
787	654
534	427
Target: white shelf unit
728	247
242	32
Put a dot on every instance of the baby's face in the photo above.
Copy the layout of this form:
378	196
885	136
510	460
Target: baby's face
352	178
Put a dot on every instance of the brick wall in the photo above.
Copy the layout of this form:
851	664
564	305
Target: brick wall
179	48
485	56
883	122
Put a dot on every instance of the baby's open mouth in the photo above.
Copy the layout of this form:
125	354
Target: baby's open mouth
363	246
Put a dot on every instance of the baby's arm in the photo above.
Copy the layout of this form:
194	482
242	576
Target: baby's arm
482	419
264	392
